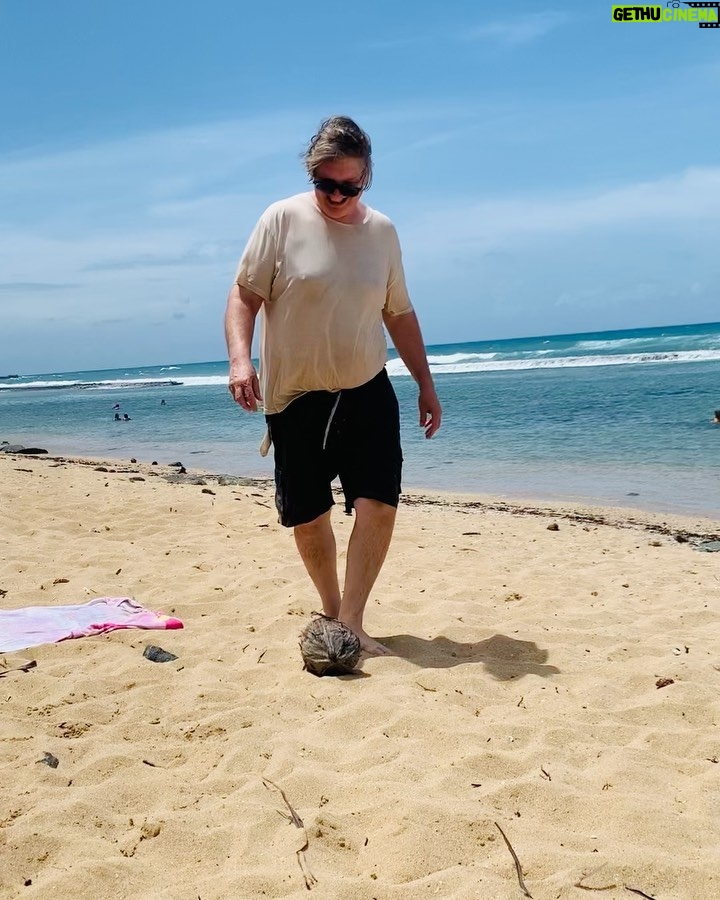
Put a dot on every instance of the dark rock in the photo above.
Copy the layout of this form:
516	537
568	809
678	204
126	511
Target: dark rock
100	469
553	526
208	491
133	460
154	462
31	450
50	760
709	546
185	479
137	478
157	654
235	480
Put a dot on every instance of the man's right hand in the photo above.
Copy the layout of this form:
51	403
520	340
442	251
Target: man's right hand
242	308
244	386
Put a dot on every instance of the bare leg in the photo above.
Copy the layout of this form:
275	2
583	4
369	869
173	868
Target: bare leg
367	548
316	544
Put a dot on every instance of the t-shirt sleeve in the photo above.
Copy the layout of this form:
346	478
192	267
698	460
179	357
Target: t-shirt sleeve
397	300
257	267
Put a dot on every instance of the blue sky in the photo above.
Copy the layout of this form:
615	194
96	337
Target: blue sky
548	170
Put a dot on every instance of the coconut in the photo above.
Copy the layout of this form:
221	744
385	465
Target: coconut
329	647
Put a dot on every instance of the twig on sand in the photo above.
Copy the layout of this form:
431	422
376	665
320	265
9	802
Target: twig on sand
586	887
24	668
639	893
518	867
310	879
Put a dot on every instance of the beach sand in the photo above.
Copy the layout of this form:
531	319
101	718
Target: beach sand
524	693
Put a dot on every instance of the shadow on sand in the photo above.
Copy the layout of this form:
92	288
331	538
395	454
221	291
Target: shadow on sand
504	657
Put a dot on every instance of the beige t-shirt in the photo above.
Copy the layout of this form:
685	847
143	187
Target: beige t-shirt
325	287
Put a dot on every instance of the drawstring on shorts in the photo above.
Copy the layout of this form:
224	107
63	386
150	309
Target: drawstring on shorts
329	421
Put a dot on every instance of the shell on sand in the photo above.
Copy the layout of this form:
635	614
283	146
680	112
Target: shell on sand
329	647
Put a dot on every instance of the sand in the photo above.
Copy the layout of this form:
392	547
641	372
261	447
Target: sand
524	693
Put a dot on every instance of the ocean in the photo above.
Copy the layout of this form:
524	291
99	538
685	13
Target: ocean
619	418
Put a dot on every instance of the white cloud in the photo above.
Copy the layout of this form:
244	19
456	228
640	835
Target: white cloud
398	43
522	29
103	242
126	225
691	197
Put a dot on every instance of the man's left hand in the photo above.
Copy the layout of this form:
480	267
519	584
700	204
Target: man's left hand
430	411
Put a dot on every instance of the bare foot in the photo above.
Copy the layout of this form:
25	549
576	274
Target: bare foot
370	645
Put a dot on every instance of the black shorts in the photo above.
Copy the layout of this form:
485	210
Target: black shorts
353	434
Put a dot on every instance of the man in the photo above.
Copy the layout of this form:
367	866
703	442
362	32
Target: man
325	272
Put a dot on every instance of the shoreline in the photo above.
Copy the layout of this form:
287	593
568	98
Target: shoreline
205	429
683	527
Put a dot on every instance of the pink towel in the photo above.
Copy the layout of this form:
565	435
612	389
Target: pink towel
23	628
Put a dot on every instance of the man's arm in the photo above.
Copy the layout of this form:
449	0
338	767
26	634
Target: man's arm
242	309
405	334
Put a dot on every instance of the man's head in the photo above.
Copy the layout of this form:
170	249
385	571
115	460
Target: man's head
338	161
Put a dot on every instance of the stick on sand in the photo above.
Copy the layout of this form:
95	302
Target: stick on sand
310	879
518	867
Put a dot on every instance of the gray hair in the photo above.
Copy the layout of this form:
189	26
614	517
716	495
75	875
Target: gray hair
339	138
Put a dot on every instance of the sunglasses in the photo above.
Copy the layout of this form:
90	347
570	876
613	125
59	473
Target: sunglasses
329	186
